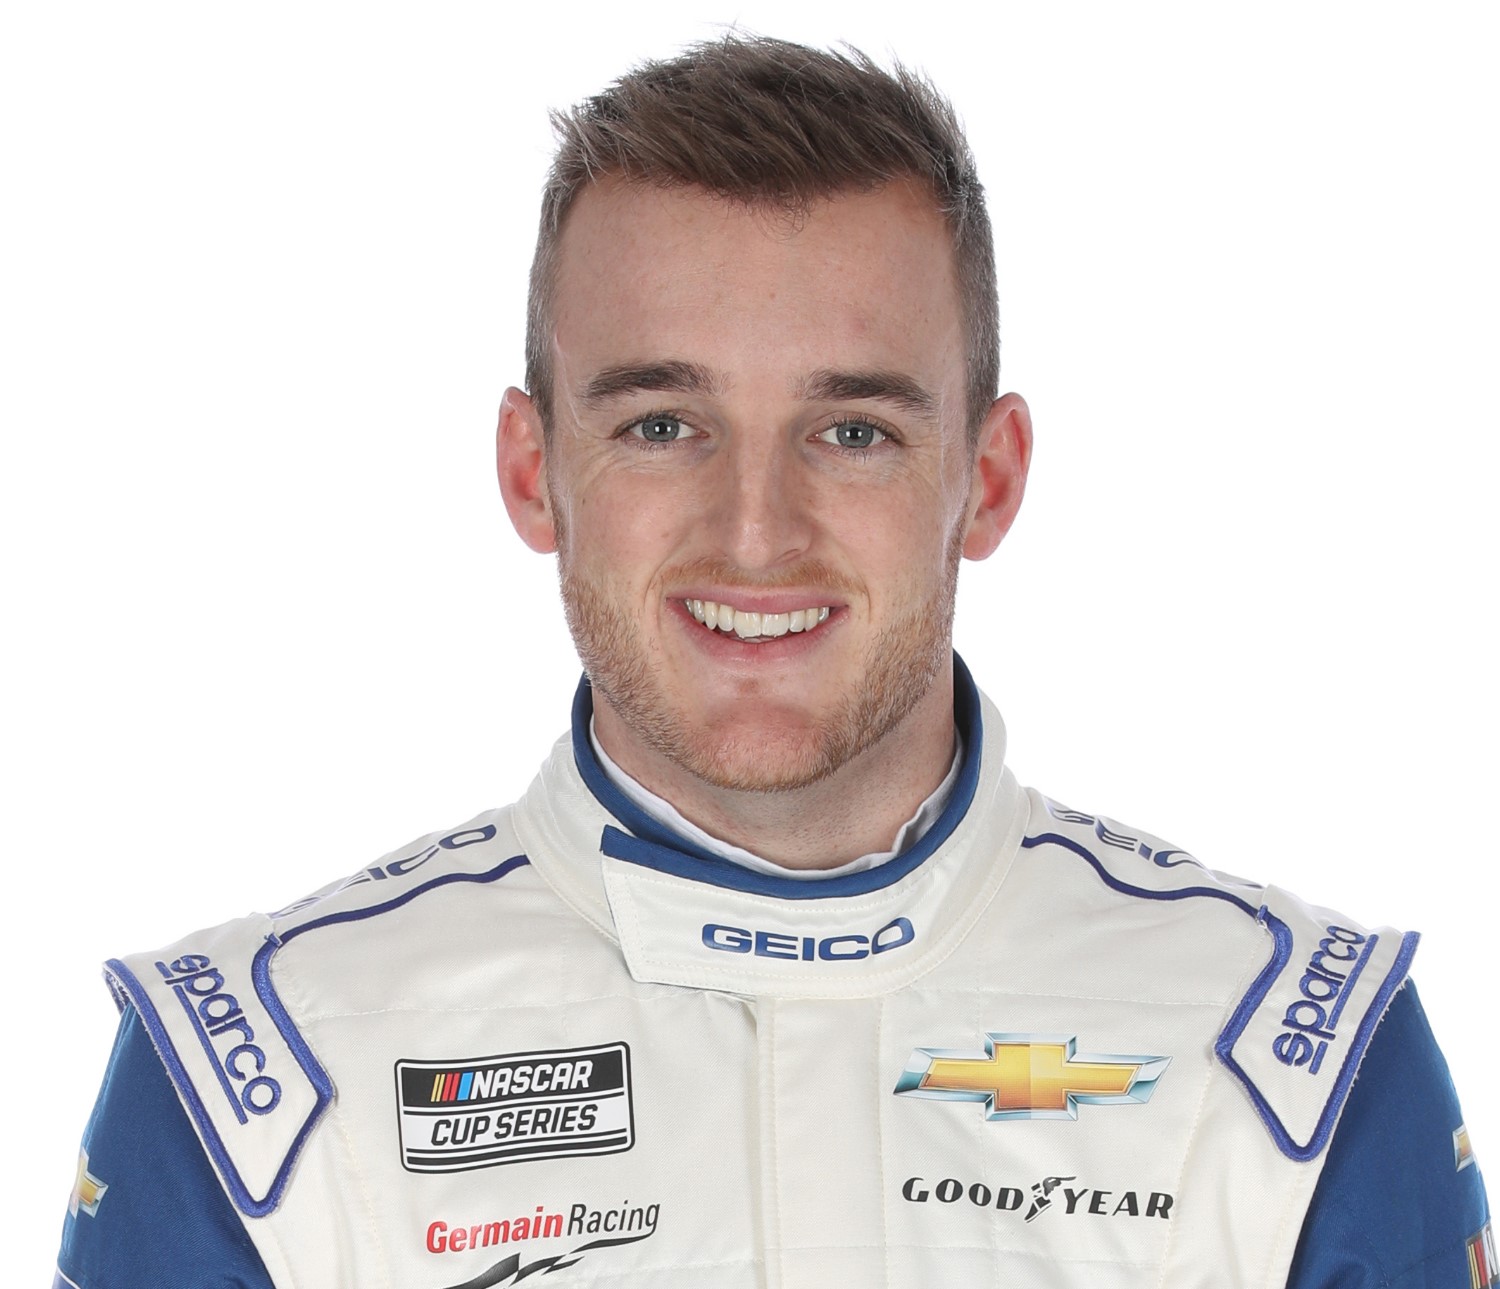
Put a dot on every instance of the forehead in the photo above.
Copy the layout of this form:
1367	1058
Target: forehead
861	279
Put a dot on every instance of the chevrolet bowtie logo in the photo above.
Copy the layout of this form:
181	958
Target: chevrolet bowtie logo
88	1190
1030	1076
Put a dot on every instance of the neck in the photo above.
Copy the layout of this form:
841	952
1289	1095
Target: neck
854	811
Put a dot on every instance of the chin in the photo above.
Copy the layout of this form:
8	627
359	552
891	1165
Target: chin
760	760
751	742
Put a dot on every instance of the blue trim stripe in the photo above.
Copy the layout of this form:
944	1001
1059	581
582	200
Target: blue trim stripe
374	910
1355	972
1328	1120
317	1076
1125	888
1280	954
657	847
260	973
233	1182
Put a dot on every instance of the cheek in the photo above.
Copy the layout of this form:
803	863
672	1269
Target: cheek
906	546
913	519
621	529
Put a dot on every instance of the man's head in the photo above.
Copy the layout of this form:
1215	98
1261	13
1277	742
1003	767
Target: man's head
760	400
774	126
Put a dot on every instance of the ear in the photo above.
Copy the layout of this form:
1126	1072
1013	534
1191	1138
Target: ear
1002	456
521	464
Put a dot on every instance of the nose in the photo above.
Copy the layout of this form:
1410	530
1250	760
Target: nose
761	508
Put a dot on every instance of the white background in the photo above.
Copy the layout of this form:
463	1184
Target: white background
265	620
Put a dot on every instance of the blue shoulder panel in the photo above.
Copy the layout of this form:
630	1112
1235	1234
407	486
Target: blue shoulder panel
147	1208
1400	1200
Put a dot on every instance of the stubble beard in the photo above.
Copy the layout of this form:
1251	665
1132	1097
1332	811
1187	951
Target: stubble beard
898	668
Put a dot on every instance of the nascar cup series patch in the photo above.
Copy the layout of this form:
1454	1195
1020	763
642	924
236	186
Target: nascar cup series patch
489	1110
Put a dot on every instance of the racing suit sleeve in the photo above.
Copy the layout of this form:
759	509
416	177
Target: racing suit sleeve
1400	1203
147	1210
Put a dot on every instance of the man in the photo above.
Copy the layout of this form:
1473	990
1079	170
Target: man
775	975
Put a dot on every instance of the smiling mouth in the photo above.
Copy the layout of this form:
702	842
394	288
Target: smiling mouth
755	626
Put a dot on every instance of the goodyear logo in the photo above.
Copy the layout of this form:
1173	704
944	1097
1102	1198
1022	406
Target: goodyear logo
1030	1076
457	1115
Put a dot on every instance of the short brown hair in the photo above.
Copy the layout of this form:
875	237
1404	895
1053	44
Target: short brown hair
770	123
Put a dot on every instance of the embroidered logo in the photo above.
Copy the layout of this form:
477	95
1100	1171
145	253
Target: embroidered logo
1484	1268
225	1032
1030	1076
88	1190
1463	1150
456	1115
1311	1023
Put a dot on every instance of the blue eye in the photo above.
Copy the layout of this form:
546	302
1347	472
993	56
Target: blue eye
853	434
661	429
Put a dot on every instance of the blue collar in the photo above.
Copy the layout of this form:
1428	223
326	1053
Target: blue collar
652	845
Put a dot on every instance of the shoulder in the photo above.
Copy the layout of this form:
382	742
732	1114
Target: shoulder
146	1207
1400	1201
1134	863
1314	986
217	1011
475	853
410	891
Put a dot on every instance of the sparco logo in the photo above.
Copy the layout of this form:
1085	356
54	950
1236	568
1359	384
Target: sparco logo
1040	1197
1311	1021
493	1110
226	1035
808	948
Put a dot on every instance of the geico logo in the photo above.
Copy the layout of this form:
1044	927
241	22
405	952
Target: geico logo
1311	1021
807	948
1084	1199
1166	857
200	985
397	867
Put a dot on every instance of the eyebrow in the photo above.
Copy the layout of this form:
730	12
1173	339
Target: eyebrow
830	385
664	377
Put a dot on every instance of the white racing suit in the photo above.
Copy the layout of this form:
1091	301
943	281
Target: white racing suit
1038	1048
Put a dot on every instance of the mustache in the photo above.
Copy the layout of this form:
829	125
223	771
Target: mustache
808	574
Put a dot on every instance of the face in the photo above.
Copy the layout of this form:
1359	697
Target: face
758	479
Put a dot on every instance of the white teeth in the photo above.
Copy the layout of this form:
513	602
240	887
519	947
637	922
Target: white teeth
754	626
